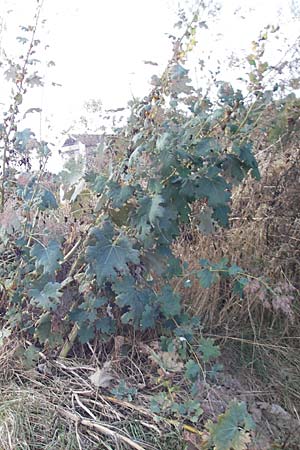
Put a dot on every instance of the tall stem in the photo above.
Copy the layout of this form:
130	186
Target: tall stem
10	121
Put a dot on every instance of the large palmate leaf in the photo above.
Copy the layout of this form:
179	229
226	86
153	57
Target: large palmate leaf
96	183
119	194
215	189
108	254
47	257
206	147
207	278
208	349
138	302
149	211
233	168
221	214
48	297
47	200
167	227
169	302
245	154
231	430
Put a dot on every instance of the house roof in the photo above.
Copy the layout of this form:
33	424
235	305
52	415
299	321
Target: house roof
89	140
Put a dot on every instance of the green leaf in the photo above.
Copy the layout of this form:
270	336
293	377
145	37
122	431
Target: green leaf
44	334
106	325
81	316
167	227
231	430
108	254
47	201
207	278
47	256
205	221
119	194
22	138
30	357
215	190
149	317
208	349
221	214
86	333
233	168
169	302
251	60
135	299
239	285
124	391
72	172
245	154
214	371
178	72
234	270
47	298
226	93
43	330
149	211
192	370
97	184
207	146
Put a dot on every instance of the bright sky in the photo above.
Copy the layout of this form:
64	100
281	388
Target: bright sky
99	46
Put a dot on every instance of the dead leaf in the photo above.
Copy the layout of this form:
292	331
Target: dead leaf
168	361
194	440
102	377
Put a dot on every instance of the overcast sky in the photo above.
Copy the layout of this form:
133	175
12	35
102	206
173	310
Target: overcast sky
99	46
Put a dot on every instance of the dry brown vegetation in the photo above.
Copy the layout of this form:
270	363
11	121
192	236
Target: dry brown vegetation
261	331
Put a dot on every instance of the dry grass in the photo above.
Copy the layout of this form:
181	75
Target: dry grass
262	342
263	239
54	405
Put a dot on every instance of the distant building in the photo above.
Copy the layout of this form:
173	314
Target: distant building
84	145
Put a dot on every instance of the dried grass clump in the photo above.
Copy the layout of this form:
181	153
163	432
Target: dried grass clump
261	331
57	405
263	239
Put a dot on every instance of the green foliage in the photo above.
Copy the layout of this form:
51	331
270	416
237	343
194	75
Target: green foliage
207	278
163	404
169	302
47	298
211	273
86	333
208	350
137	300
88	317
28	356
231	432
192	370
108	254
123	391
190	410
47	201
148	213
44	334
104	262
108	264
47	256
